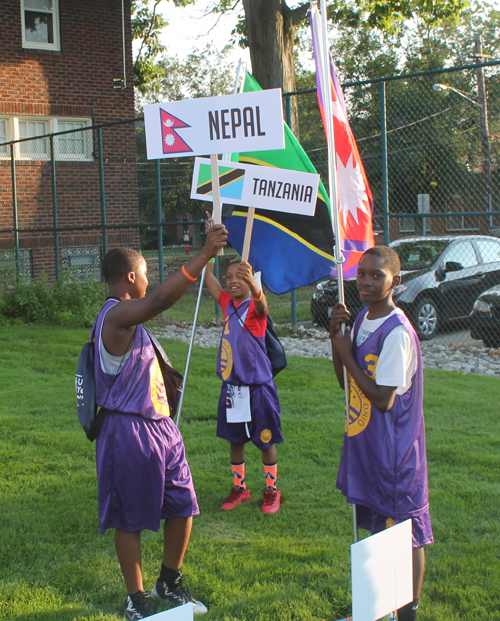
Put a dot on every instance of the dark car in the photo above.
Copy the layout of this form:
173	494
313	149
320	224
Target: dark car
485	318
442	278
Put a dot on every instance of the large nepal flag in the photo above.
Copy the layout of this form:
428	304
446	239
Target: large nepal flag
355	200
290	250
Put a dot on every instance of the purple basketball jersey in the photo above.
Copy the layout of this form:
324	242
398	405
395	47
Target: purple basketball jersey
383	464
138	388
241	359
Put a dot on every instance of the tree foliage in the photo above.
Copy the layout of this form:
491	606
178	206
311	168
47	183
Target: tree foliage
434	139
147	25
206	73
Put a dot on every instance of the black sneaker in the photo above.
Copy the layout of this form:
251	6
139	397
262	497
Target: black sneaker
178	595
138	606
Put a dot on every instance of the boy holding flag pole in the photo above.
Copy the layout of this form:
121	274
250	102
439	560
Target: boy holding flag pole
383	469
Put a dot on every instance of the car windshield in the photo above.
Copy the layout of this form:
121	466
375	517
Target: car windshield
419	255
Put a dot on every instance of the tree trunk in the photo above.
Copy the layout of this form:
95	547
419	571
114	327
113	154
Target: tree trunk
271	26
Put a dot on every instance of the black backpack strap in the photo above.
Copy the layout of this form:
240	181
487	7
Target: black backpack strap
247	329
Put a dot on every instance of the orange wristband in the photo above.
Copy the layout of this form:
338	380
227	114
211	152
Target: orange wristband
259	298
189	277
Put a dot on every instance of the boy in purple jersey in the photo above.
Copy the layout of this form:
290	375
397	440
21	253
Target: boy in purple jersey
249	407
383	468
142	472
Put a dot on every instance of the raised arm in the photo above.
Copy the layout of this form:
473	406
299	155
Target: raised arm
121	320
212	283
245	272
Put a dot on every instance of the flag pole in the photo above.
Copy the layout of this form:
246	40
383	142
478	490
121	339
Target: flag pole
202	278
334	202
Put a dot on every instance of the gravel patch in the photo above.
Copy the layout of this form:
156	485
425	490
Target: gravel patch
314	343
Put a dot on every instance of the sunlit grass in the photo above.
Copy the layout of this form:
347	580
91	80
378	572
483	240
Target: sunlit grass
295	565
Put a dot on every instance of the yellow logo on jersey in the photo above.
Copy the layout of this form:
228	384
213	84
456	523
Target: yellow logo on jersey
266	435
226	359
359	406
157	390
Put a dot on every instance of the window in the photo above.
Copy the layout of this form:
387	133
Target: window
462	253
4	149
82	262
8	269
33	149
407	225
489	249
40	24
458	223
74	146
77	145
419	255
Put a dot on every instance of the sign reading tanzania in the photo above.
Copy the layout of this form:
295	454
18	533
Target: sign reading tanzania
209	125
264	187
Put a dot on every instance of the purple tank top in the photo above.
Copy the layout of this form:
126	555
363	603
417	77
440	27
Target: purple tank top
242	358
384	464
138	388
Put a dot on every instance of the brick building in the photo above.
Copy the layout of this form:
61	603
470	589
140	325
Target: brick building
65	65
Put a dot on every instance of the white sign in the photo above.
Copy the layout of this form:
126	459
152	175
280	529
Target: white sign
264	187
382	573
208	125
181	613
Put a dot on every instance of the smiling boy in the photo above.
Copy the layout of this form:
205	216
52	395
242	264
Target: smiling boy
249	407
383	468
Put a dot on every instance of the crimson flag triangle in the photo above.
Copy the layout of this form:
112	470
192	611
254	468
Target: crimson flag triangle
171	141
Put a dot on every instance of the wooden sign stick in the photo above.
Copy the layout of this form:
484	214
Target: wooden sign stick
248	234
217	210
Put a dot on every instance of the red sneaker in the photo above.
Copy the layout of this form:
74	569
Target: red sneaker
272	501
236	497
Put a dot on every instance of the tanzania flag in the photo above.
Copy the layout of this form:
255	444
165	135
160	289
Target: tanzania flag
290	250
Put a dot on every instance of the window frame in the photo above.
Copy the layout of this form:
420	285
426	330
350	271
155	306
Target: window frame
39	157
8	133
40	45
88	150
52	125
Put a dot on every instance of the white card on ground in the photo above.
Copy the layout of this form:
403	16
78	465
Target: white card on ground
382	573
181	613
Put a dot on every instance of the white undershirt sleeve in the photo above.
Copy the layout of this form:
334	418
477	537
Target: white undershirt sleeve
397	361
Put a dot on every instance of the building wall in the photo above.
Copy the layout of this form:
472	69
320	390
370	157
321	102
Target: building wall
75	82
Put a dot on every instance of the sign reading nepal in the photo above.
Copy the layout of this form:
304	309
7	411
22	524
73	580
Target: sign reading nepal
265	187
211	125
219	125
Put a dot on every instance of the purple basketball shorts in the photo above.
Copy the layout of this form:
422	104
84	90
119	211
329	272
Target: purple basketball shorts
264	429
142	473
376	523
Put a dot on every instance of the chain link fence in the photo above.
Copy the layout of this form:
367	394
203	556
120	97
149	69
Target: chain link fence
430	146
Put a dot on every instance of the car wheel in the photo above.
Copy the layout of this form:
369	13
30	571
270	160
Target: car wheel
426	319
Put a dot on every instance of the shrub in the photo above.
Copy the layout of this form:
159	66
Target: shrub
66	302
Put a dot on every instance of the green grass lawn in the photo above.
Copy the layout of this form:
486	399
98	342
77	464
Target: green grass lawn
295	565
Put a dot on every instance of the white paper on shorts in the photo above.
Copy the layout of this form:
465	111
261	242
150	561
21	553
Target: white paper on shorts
382	573
238	404
181	613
